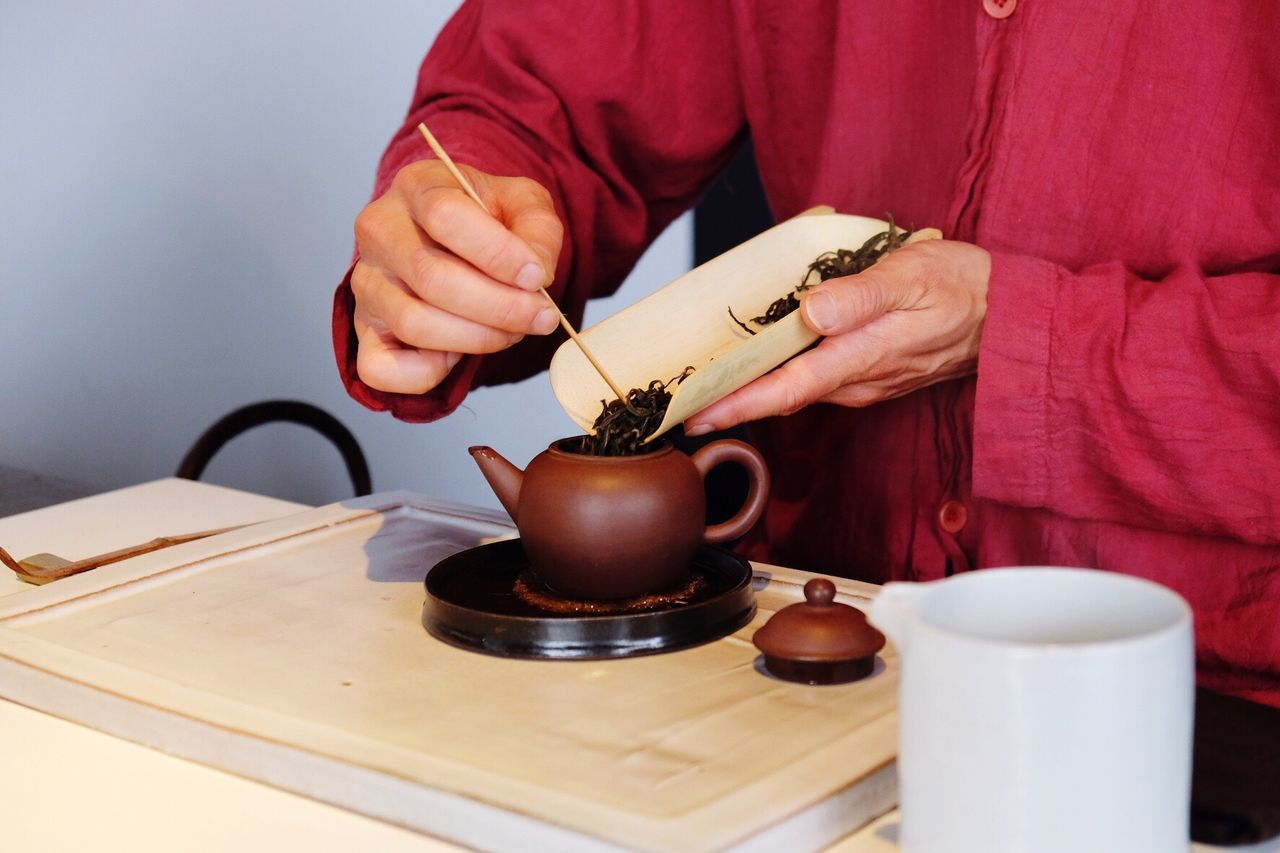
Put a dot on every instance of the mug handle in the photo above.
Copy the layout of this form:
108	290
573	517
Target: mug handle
732	450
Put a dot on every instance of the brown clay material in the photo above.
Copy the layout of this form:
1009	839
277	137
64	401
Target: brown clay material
822	672
731	450
819	641
609	527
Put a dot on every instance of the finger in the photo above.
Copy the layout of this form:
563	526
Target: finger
796	384
385	232
884	359
383	364
910	375
844	304
423	326
452	284
859	395
897	281
527	208
453	220
389	239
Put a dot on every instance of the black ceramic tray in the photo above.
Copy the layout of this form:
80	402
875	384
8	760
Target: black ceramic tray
472	602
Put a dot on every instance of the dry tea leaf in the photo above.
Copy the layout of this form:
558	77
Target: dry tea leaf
623	425
828	265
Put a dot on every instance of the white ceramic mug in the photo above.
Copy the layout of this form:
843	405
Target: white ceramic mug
1042	709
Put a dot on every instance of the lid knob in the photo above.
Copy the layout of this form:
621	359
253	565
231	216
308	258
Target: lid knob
819	592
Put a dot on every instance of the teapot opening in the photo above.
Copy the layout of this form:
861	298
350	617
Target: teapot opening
626	423
584	445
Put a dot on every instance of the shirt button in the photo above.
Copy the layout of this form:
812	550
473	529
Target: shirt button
952	516
999	8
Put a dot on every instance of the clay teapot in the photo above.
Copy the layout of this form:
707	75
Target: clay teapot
610	527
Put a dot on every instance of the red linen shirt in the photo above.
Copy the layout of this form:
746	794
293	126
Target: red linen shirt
1120	160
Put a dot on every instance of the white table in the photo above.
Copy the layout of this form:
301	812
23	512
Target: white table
66	787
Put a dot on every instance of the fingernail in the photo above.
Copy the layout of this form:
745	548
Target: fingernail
531	277
451	359
546	321
697	430
821	310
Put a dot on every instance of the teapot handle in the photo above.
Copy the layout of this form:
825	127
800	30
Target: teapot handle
732	450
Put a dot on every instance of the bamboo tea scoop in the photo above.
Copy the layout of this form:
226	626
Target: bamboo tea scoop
564	321
687	322
43	568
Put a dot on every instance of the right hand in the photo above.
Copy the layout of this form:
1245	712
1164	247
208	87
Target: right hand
438	277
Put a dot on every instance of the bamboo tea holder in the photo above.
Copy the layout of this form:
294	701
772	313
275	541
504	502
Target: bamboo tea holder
687	322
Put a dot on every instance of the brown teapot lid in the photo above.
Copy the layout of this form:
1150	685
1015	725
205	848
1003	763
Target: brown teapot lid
819	630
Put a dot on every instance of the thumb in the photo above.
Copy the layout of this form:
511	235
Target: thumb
844	304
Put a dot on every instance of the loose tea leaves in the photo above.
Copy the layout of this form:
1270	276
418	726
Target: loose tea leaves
829	265
624	425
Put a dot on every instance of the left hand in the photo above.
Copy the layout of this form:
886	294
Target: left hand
913	319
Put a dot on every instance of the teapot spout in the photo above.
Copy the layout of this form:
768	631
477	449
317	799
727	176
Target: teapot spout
504	478
894	611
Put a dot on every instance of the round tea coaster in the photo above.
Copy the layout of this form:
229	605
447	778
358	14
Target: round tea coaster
472	602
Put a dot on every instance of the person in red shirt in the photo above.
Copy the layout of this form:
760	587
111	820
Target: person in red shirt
1087	373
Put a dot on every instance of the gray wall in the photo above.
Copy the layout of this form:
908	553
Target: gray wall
177	185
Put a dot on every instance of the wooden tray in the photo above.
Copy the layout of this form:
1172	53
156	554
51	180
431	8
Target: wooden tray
291	653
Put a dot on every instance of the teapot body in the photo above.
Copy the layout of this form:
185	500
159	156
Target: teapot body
608	527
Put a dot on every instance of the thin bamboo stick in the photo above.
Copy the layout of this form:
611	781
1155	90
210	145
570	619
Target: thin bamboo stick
564	321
